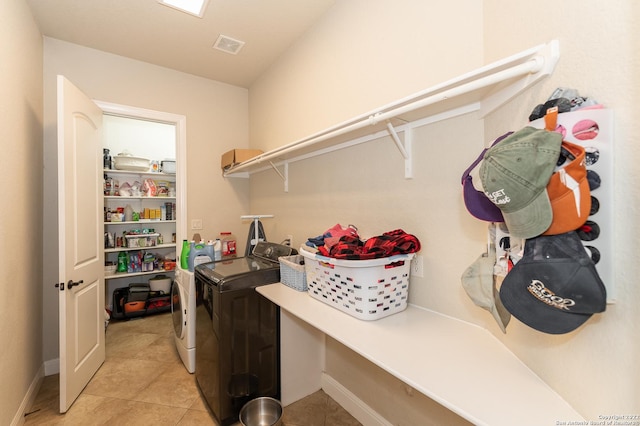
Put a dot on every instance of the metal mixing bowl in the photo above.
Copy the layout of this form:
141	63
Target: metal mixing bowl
263	411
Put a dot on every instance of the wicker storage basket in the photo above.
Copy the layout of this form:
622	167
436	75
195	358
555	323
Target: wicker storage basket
365	289
292	273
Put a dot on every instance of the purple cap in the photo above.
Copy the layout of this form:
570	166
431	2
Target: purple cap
476	202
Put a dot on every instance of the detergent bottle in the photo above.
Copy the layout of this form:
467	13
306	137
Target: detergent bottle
200	253
184	255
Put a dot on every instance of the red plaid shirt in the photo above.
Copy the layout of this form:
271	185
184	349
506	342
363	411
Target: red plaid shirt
385	245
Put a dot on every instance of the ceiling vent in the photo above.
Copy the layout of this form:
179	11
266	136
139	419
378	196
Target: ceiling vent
228	44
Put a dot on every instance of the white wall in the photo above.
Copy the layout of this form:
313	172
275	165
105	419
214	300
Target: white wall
216	121
333	73
595	367
141	138
21	212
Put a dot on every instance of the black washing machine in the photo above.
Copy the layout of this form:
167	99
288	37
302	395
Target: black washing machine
238	331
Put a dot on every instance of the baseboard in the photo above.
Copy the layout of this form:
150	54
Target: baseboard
52	367
29	397
354	405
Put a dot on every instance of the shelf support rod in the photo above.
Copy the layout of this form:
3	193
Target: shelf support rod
285	176
404	148
396	139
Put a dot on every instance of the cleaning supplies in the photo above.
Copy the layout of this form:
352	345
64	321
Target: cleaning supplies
228	244
200	253
184	255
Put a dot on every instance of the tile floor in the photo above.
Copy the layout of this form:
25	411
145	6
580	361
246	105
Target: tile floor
143	381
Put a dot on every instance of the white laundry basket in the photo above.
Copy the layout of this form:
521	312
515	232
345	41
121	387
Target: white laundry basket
365	289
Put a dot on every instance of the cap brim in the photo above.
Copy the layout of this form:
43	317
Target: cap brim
522	304
532	220
517	299
478	205
478	282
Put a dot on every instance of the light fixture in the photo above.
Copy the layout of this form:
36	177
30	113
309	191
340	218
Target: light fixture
228	44
192	7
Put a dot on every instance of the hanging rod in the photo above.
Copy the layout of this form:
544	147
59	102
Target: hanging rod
538	61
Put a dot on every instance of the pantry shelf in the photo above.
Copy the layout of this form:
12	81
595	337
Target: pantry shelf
120	197
141	222
134	274
484	90
119	249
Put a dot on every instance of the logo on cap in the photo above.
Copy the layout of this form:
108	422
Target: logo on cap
543	294
498	197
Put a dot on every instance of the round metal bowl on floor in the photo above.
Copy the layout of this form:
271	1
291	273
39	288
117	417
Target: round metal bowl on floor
263	411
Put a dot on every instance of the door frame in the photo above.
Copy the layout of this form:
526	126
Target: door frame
180	122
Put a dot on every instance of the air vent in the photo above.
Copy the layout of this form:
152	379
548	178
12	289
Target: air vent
228	44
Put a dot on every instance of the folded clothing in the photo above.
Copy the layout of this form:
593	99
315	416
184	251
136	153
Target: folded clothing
332	235
391	243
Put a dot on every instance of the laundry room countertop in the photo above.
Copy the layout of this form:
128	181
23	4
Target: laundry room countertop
457	364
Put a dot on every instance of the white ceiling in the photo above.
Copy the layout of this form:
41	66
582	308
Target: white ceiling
148	31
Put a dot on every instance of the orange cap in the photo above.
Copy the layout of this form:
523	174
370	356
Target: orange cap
568	190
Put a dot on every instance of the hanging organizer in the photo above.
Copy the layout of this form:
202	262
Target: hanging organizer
593	129
484	90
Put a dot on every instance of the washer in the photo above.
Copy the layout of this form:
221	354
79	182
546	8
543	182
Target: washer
238	331
183	313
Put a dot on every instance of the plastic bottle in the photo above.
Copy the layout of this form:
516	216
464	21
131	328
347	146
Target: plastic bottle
122	262
228	244
200	253
184	255
128	213
217	249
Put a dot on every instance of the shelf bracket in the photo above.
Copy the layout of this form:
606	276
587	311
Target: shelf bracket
285	176
404	148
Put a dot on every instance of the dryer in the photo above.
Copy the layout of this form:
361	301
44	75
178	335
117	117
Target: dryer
183	313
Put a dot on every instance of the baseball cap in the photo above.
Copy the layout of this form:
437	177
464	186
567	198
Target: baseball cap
568	191
515	174
478	282
555	287
475	200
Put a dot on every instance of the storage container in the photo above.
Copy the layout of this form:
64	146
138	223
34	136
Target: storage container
236	156
365	289
292	273
123	161
160	283
142	240
168	166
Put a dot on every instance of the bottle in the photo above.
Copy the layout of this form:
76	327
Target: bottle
106	158
184	255
128	213
228	244
217	250
122	262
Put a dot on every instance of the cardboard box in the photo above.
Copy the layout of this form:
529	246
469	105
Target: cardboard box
236	156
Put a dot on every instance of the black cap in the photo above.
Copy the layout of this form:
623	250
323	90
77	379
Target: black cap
555	287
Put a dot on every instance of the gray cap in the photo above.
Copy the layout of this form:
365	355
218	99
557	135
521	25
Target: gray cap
479	283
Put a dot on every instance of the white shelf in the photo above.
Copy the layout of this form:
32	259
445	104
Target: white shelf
143	222
119	197
148	174
135	274
459	365
119	249
484	89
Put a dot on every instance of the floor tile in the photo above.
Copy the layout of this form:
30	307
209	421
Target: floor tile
143	382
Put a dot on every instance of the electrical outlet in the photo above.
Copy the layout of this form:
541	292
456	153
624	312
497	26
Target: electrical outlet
196	223
290	238
417	266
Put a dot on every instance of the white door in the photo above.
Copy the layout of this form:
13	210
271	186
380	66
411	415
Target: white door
81	264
